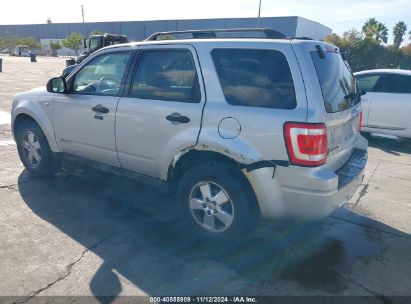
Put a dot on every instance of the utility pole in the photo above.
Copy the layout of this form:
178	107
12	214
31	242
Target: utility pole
259	14
82	14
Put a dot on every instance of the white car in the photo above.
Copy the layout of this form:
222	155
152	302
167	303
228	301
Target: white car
387	104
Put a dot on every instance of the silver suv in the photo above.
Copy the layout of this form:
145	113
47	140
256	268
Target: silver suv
245	124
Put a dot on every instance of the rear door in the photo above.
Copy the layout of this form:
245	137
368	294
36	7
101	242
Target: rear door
391	104
160	114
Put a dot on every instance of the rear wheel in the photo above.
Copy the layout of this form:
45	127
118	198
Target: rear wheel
216	202
34	150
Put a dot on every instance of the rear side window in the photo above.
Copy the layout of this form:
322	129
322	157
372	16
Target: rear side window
255	78
367	82
391	83
166	75
336	80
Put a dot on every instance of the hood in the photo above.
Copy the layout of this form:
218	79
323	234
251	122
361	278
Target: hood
32	93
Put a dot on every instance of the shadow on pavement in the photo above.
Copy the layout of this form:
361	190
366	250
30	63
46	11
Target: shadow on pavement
137	232
390	146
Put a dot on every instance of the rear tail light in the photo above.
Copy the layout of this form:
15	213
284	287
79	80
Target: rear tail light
306	143
360	120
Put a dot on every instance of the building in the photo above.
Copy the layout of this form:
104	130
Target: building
138	30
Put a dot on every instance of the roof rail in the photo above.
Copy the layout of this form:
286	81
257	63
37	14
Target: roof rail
216	33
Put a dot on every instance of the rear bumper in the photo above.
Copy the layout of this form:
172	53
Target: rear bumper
307	193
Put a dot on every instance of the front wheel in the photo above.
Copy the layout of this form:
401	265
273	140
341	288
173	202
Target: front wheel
34	150
217	202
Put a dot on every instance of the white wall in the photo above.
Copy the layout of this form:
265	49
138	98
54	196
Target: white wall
45	45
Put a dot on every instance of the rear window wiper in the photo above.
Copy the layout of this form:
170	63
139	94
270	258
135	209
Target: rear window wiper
351	96
354	96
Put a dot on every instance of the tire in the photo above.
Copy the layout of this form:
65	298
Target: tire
202	191
34	150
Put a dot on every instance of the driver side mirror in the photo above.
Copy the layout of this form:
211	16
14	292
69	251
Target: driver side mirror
57	85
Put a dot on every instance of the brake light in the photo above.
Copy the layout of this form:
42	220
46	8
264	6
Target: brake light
360	120
306	143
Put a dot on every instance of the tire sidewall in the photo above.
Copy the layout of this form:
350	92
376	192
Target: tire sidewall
231	183
46	154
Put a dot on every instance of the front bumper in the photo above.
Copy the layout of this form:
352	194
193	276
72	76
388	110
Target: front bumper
306	193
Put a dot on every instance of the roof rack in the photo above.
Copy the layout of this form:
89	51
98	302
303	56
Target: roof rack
218	33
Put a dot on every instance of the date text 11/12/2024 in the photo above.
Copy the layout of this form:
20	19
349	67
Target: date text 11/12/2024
210	299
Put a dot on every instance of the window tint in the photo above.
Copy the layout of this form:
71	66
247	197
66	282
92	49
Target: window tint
103	75
336	80
391	83
94	43
166	75
255	78
367	82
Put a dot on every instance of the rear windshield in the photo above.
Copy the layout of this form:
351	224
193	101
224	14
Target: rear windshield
336	80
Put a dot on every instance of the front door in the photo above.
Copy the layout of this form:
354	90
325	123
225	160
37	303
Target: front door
161	113
84	118
367	83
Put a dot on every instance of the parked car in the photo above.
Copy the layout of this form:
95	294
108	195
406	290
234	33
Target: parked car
21	50
387	104
243	127
92	44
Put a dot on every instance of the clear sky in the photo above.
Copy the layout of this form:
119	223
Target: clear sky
340	15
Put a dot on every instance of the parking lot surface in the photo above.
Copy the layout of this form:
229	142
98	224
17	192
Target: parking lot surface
88	233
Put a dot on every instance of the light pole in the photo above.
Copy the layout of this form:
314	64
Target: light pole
259	14
82	15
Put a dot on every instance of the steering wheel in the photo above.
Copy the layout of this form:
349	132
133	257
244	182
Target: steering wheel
107	83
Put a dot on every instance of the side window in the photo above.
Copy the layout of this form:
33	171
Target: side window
255	78
367	82
102	76
391	83
166	75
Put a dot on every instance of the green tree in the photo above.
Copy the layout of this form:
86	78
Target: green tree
372	29
406	57
73	41
31	42
399	31
381	33
361	53
369	27
96	32
54	46
333	39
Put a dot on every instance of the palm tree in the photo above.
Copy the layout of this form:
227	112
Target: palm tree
373	29
381	33
399	31
369	27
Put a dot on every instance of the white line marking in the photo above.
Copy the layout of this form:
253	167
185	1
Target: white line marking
7	142
5	118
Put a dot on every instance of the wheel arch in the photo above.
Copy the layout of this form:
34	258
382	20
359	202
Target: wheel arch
41	120
194	157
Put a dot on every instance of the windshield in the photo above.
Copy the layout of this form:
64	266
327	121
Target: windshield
336	80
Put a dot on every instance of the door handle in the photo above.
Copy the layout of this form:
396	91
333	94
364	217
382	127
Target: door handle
177	117
100	109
